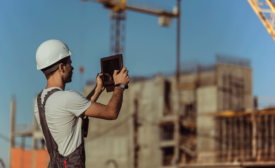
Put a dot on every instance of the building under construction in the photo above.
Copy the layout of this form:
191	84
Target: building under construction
208	120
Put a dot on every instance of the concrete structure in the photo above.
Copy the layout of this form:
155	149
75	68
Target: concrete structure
165	125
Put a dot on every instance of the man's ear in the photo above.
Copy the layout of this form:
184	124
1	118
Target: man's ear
61	67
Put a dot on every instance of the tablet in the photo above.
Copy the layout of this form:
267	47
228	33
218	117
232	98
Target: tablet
108	65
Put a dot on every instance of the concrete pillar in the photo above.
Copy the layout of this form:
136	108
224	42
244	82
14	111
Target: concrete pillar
12	124
254	135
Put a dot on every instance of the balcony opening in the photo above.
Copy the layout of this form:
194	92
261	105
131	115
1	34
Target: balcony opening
167	131
167	156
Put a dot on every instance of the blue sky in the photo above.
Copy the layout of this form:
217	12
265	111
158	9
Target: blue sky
209	27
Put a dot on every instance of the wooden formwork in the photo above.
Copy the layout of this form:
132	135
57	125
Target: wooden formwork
245	136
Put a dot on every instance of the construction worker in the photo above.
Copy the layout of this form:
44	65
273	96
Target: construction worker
60	113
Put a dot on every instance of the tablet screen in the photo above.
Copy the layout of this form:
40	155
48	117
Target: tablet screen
108	68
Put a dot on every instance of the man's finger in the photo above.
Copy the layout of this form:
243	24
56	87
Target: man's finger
123	69
115	72
100	74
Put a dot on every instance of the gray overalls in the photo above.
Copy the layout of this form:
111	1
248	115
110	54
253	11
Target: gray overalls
74	160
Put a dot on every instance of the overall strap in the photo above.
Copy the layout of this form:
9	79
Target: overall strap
50	143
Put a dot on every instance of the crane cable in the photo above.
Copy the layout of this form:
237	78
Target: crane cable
2	163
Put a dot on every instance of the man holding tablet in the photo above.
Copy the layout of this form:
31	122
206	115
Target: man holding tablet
60	113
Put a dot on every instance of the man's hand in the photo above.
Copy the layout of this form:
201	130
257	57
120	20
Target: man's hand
122	77
99	83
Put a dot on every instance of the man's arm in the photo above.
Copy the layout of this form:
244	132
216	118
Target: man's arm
95	93
110	111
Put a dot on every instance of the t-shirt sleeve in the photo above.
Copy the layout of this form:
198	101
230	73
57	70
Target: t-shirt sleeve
76	103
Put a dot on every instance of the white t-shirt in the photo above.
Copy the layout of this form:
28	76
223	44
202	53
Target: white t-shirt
63	110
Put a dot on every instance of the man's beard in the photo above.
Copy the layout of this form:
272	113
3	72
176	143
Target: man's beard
69	79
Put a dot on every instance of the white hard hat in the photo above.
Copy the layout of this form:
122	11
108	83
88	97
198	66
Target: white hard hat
50	52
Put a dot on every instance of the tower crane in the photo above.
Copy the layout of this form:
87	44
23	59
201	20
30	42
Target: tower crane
118	16
265	8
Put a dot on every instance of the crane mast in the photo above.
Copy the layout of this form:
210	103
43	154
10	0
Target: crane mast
117	41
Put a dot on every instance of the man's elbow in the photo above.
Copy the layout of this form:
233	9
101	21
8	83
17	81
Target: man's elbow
114	115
